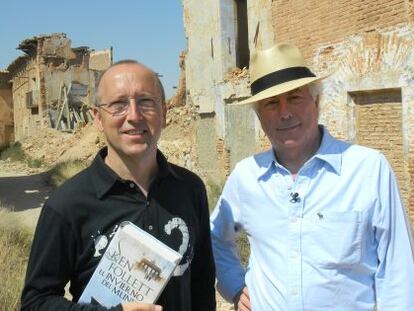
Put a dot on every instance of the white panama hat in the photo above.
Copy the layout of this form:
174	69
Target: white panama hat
277	70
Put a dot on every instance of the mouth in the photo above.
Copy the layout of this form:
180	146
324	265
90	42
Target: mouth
288	127
134	132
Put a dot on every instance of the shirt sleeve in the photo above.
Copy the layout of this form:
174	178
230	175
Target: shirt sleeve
225	226
51	263
394	278
202	267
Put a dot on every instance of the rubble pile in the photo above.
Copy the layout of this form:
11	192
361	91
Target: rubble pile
178	140
52	146
236	75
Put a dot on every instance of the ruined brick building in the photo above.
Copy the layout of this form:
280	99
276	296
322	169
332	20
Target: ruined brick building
368	46
6	110
51	85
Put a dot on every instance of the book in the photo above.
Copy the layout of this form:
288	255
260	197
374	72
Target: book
134	268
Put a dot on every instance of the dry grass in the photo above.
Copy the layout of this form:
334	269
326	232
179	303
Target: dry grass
15	241
64	170
214	189
15	153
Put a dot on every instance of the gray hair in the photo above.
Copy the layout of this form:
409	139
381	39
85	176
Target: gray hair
128	61
315	89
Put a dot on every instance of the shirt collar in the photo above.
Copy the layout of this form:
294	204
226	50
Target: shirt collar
328	152
265	161
106	178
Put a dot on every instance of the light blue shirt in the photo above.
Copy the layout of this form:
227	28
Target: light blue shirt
343	244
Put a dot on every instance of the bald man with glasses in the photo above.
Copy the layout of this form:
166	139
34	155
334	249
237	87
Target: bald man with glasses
129	180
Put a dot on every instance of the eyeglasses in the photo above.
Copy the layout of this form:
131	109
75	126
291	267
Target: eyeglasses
118	108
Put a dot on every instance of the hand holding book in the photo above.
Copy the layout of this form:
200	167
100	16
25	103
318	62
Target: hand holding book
133	270
133	306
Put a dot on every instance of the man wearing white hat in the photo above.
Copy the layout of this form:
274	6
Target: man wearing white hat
324	218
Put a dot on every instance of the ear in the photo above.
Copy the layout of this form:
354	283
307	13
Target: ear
97	118
256	108
317	102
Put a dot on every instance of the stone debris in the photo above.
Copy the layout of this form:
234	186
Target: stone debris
235	75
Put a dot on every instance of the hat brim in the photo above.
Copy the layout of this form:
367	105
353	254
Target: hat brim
280	89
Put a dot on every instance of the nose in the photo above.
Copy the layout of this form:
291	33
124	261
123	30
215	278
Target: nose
133	113
284	108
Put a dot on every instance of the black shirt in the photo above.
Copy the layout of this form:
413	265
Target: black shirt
87	209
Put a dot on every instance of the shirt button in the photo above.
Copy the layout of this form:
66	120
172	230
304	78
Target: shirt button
294	220
150	227
294	291
131	185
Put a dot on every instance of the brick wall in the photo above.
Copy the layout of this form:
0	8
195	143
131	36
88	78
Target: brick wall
311	23
379	126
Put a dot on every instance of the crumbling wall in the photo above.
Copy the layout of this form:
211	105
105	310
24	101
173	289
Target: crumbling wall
6	110
25	97
213	82
180	95
309	24
40	77
100	60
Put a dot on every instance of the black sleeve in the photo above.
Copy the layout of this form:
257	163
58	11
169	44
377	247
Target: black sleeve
51	263
203	295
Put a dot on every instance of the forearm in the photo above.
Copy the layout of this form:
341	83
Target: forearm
230	273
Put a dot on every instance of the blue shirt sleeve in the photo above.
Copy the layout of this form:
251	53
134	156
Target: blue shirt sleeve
225	223
394	278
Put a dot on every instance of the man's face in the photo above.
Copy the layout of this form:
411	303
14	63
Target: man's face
290	120
136	132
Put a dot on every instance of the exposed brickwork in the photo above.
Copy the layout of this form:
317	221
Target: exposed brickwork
311	23
379	125
262	143
223	156
410	205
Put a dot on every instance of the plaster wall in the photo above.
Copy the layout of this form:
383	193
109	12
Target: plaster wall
26	120
100	60
6	115
211	30
6	105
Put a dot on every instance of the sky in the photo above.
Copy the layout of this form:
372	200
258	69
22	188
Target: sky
149	31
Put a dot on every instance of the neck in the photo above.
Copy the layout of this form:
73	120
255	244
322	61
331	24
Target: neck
293	158
141	170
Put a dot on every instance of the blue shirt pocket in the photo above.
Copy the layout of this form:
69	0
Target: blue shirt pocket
333	239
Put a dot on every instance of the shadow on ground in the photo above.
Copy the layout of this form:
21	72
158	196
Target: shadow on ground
24	192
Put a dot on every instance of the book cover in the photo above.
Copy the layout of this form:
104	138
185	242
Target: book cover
134	268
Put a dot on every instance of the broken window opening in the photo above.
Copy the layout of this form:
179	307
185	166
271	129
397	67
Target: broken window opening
242	43
31	101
